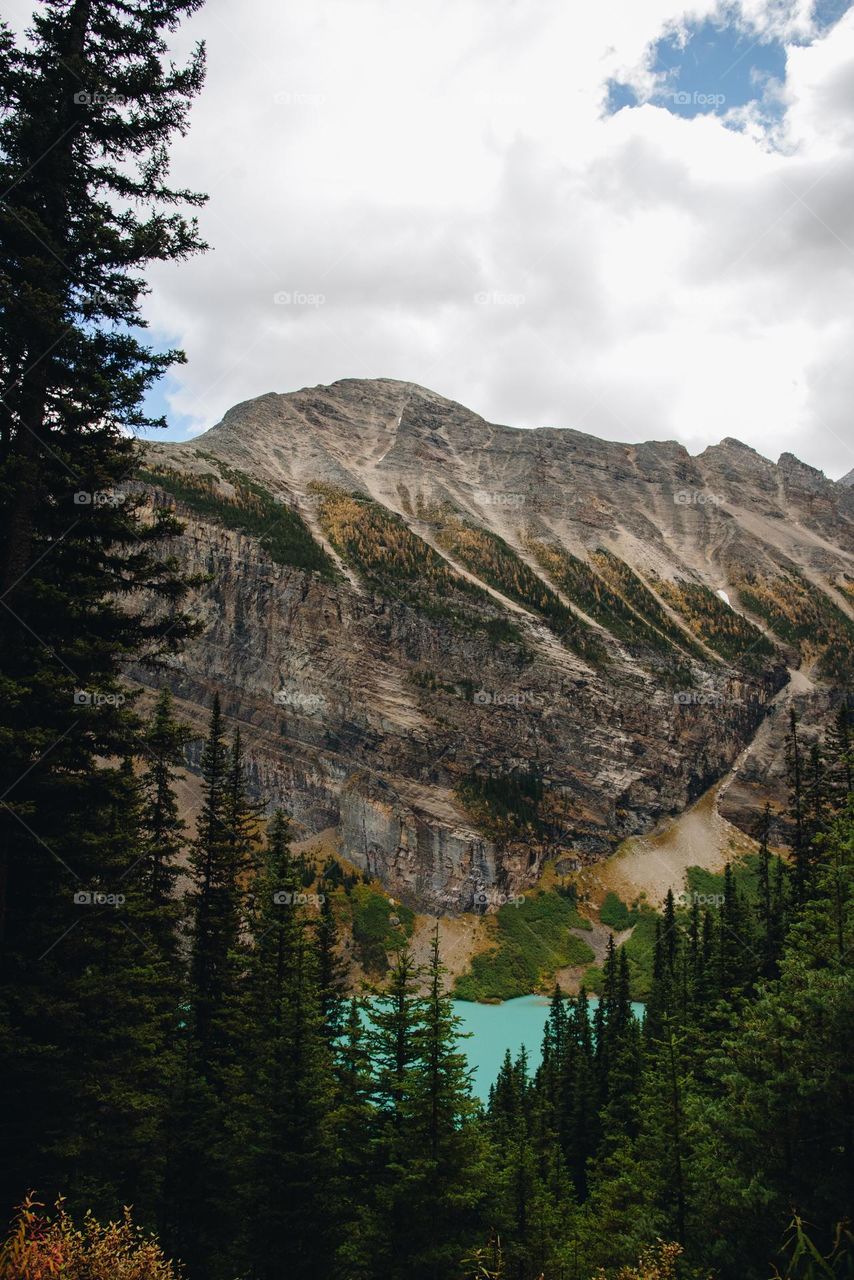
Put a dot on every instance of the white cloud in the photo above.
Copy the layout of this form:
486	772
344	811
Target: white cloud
680	278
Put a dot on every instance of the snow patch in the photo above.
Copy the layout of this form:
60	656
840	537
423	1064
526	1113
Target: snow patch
723	595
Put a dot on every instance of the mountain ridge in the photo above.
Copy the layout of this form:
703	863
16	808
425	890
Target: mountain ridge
625	615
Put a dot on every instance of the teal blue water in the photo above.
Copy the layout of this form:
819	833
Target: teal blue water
495	1028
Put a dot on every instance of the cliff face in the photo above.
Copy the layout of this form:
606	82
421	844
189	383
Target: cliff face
466	647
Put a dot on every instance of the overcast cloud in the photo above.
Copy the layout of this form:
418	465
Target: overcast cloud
440	188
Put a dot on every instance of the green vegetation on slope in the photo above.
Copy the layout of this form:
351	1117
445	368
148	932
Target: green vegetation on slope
632	588
615	914
379	926
492	560
280	529
801	614
639	951
379	544
506	805
729	633
533	941
583	584
705	888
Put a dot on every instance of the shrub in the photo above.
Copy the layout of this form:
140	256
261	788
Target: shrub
615	914
379	926
41	1248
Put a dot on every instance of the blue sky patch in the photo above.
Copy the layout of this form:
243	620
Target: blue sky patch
718	67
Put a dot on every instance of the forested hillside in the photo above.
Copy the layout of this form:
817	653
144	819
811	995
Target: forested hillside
268	1125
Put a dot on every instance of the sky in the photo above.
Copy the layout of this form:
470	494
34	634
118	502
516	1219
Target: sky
630	217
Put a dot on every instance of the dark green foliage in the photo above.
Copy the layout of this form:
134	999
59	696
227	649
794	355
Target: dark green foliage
507	804
614	912
639	950
331	968
163	829
283	1087
86	990
280	529
534	938
378	925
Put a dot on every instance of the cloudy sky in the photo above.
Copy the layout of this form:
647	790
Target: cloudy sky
631	217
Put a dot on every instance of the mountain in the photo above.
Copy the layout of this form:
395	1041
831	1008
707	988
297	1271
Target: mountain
461	649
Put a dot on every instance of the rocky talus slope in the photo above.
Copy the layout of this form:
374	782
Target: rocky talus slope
467	648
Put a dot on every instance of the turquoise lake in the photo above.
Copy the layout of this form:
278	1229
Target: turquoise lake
494	1028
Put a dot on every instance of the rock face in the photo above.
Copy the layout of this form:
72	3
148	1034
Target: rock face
468	647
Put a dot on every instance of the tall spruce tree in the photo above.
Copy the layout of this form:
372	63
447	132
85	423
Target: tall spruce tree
201	1202
163	828
284	1107
355	1169
90	105
331	967
444	1176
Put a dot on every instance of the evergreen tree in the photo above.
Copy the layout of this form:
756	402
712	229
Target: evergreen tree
395	1038
85	584
355	1167
840	752
163	829
800	848
331	967
444	1176
285	1086
201	1195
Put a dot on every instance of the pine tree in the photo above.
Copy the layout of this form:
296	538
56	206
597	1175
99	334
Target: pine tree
214	898
443	1177
581	1100
800	848
331	967
355	1168
201	1199
85	583
163	829
394	1039
816	795
769	905
840	752
97	1136
284	1109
